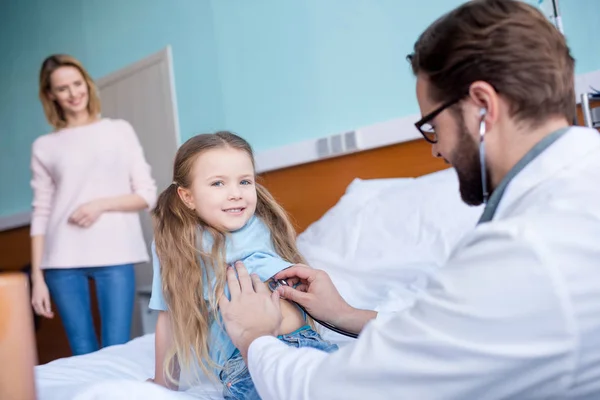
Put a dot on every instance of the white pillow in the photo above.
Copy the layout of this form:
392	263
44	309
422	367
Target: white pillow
370	185
334	228
363	221
417	223
382	239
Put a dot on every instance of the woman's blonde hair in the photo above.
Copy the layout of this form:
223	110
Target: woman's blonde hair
186	267
54	113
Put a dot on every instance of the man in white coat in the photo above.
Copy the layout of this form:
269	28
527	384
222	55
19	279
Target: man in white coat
515	313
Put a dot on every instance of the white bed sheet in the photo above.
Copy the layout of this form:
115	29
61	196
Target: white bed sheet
116	372
384	237
379	244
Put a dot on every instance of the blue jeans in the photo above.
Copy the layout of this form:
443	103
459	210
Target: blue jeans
237	383
115	289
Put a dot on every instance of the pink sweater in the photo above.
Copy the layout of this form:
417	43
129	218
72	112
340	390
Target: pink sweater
76	165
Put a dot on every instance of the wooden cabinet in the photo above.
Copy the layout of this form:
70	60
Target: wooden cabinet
51	339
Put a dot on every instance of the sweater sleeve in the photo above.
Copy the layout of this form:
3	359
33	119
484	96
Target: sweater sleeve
43	192
142	182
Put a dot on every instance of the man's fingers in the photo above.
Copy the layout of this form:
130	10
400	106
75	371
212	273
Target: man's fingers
294	295
303	287
223	301
275	297
244	278
233	283
297	271
259	286
293	281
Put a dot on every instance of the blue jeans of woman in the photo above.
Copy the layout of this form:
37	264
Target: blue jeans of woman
115	290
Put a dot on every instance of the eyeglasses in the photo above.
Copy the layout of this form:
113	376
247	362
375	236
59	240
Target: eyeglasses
426	128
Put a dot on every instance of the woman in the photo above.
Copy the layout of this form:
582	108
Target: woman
90	179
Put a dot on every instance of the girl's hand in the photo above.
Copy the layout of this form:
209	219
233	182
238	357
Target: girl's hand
87	214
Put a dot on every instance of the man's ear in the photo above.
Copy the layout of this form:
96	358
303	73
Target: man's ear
485	98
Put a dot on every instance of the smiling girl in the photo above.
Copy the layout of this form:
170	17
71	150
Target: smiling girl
214	214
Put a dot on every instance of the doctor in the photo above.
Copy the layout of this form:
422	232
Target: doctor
515	313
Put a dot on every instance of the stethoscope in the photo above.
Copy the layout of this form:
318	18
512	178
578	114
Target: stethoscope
484	186
273	285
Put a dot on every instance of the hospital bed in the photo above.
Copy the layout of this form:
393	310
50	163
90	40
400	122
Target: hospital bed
378	221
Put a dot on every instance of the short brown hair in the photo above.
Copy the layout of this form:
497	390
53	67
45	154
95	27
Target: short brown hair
506	43
54	113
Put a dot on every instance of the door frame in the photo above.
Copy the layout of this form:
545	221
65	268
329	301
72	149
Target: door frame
166	55
162	59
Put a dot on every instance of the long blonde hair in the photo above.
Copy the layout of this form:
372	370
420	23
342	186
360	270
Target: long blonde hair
186	268
53	111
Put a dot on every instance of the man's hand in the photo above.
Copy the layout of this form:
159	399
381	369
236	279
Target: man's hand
317	294
87	213
252	311
314	291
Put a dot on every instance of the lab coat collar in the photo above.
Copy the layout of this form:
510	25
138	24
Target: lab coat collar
567	150
492	204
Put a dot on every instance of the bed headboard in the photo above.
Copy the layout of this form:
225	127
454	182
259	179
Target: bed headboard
307	191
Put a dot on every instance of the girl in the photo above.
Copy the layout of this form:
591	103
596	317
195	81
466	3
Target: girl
89	181
213	214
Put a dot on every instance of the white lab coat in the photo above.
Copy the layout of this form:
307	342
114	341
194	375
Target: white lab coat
514	314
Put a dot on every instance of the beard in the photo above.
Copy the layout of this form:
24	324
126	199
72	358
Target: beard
465	160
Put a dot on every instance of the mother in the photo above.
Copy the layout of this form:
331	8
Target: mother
90	179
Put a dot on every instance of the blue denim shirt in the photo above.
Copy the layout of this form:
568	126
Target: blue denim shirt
253	246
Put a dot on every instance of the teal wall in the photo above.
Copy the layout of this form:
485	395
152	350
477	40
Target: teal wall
105	35
296	70
581	24
275	71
